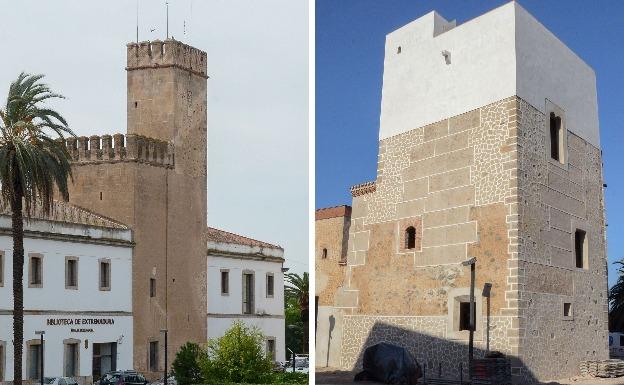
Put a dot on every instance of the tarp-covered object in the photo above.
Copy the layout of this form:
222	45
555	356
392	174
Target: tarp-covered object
389	364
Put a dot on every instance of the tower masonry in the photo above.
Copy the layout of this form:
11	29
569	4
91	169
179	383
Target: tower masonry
154	179
489	147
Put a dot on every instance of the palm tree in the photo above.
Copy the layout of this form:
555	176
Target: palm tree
616	302
32	165
298	290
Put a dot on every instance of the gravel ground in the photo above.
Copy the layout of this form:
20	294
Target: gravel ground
327	376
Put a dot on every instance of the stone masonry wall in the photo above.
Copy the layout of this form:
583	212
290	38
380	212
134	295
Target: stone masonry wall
331	234
455	182
556	199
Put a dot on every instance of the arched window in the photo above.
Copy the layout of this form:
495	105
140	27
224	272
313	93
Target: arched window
410	237
324	254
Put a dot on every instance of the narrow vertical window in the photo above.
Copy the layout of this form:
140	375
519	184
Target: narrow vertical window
152	289
410	237
225	282
33	359
567	309
105	274
270	282
1	274
2	359
248	293
71	273
464	316
324	253
153	356
556	137
72	350
580	248
36	271
270	348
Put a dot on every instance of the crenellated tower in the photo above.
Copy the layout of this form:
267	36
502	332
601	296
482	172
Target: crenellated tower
154	179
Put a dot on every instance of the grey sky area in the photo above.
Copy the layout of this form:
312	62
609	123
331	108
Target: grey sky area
257	93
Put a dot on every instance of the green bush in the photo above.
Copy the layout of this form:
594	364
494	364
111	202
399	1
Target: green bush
237	357
185	367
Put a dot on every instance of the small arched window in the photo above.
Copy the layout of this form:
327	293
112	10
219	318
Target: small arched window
324	253
410	237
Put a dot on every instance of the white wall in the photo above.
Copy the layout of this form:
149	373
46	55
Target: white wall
233	303
502	53
57	302
548	69
419	88
120	332
53	295
269	315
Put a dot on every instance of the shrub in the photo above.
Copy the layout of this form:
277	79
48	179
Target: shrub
185	367
237	357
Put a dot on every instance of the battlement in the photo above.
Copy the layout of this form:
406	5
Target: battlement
119	147
168	53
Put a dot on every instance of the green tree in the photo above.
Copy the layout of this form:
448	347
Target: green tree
33	162
186	364
238	356
297	290
616	302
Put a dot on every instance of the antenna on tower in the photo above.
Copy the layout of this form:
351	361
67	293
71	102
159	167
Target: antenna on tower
167	5
137	21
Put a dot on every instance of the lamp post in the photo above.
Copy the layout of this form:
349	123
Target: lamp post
166	349
41	333
487	287
292	354
471	262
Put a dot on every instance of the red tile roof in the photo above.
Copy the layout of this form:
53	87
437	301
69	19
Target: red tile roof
216	235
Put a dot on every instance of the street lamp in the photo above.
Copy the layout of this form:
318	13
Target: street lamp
41	333
471	262
166	348
292	354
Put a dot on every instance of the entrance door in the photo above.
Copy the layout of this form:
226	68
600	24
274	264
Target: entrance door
104	359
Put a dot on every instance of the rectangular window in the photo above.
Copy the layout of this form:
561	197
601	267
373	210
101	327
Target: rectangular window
153	356
621	340
555	136
248	293
2	359
71	359
152	287
567	309
34	361
464	316
270	285
1	273
36	271
270	348
580	248
225	282
71	273
105	275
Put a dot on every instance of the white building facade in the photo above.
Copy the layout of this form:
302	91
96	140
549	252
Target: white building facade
77	289
250	277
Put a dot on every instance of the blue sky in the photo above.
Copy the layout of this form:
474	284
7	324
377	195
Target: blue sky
350	37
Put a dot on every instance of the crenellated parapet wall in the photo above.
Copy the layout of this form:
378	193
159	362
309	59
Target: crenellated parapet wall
168	53
119	147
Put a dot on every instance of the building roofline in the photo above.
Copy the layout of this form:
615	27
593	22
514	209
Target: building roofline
333	212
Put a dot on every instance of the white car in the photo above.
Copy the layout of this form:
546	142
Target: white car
59	381
302	365
170	381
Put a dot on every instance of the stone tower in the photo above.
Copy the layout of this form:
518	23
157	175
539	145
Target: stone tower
489	147
154	179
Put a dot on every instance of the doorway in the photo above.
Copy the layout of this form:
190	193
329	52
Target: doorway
104	359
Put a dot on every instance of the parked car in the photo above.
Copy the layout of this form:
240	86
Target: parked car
123	377
302	364
59	381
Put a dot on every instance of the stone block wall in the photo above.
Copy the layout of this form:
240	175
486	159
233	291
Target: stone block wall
332	232
455	182
554	200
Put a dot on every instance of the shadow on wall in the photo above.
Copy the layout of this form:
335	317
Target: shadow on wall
439	357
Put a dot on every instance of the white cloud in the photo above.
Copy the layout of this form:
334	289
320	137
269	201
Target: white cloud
257	93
